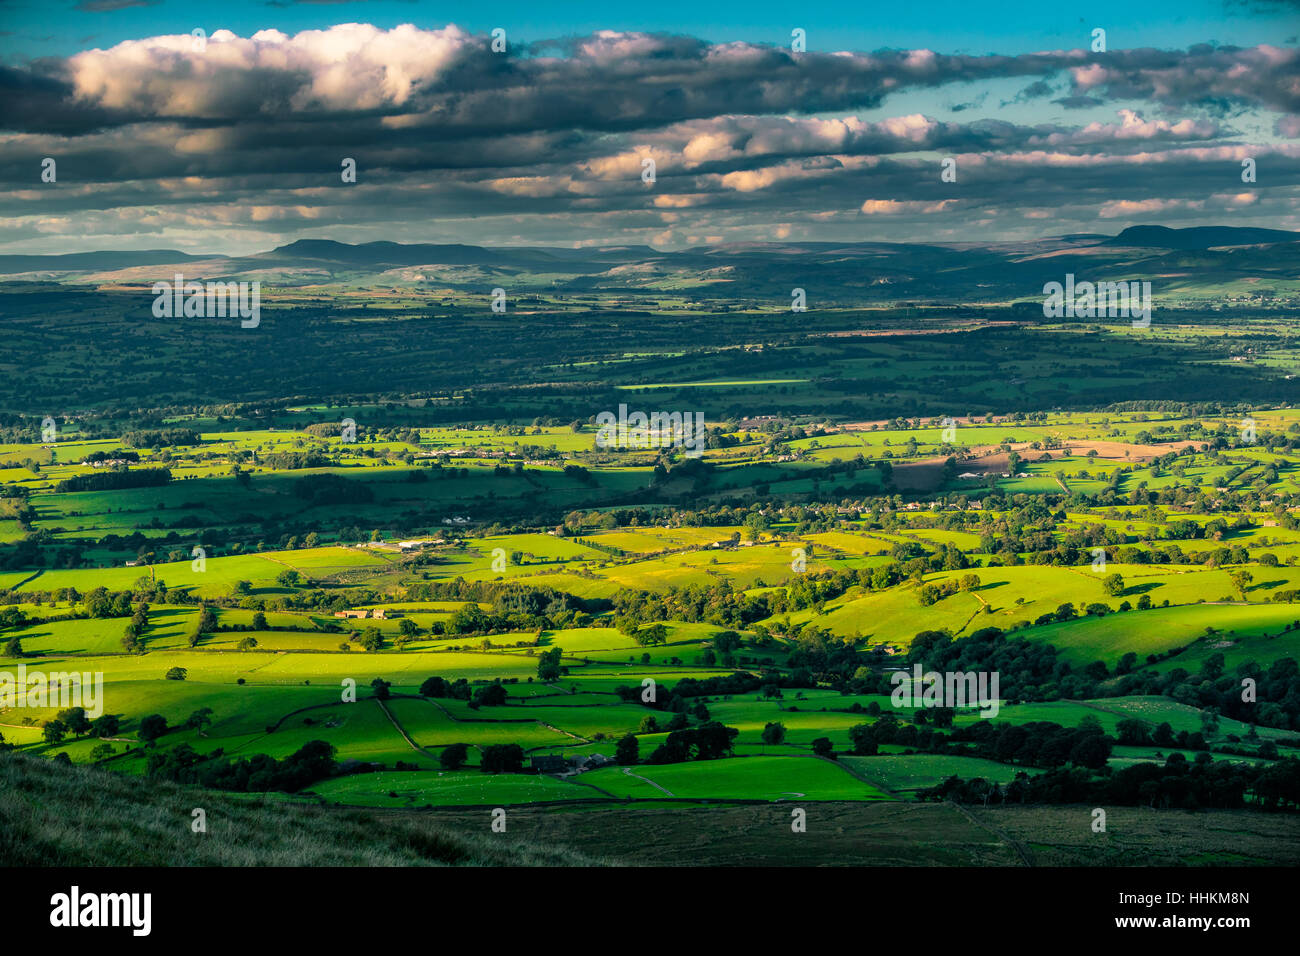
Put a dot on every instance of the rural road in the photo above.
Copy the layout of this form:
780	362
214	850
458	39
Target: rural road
628	771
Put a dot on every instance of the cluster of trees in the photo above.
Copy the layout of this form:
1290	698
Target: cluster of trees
205	623
293	460
110	455
502	758
513	606
435	686
1138	733
135	628
1032	671
1177	783
115	480
470	618
1039	743
1275	701
928	594
719	604
312	762
160	437
708	741
328	489
653	636
74	721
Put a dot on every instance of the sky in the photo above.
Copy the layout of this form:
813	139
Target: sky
928	122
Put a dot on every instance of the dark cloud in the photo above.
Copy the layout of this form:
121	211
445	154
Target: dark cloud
245	136
608	81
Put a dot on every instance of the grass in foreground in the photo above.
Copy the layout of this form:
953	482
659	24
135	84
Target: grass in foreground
53	814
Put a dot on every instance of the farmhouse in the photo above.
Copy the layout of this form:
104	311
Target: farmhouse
358	612
418	545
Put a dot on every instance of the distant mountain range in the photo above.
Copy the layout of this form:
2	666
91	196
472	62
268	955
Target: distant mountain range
1199	261
1199	237
94	261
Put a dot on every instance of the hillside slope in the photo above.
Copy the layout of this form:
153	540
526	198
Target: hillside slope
53	814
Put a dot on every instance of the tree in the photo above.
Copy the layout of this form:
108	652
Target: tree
548	665
1133	732
1209	721
288	578
726	642
106	725
491	695
199	719
131	638
54	731
1241	580
774	734
652	635
435	687
713	740
454	756
408	627
259	621
823	747
98	603
74	719
176	673
1114	584
503	758
152	727
1092	751
372	639
469	619
13	647
380	687
864	740
628	750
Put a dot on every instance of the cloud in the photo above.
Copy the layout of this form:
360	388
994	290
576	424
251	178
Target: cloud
894	207
609	80
548	142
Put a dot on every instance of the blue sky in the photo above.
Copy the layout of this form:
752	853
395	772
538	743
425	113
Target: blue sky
947	26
